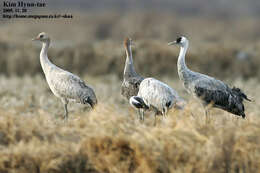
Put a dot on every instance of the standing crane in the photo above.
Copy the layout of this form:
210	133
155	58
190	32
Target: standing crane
132	80
156	96
208	89
63	84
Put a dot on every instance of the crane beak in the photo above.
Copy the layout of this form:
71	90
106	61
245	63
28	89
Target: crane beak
171	43
35	39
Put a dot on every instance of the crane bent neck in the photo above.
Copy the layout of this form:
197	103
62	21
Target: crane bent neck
129	70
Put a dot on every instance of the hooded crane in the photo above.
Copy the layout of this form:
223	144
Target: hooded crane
132	80
156	96
208	89
63	84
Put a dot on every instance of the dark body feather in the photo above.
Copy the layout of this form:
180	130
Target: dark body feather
130	86
230	100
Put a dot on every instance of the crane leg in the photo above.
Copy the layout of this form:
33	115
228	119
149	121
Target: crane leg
207	116
206	109
142	115
66	111
164	112
165	115
65	103
139	114
155	120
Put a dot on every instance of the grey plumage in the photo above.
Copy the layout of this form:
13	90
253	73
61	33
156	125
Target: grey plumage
132	80
156	96
209	90
63	84
230	100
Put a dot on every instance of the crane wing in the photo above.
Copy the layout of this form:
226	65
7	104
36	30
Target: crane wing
209	83
156	93
68	85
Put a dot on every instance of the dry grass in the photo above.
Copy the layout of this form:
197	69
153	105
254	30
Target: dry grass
33	138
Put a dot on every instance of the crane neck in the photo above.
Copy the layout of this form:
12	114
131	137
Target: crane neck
45	62
183	70
129	70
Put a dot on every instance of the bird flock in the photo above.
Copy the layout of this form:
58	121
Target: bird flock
145	94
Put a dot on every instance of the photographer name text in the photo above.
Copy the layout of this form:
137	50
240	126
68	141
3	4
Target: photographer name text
22	10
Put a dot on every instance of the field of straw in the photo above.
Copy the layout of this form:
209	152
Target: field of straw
34	138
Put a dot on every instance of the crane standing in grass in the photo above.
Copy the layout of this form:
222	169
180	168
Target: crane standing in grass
211	91
156	96
145	94
63	84
132	80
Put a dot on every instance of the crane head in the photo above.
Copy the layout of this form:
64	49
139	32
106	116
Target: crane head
182	41
128	42
43	37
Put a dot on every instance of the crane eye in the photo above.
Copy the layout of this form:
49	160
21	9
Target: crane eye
178	40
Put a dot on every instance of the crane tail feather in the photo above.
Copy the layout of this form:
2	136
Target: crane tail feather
240	93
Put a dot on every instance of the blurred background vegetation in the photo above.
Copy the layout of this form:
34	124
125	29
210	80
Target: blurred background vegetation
224	37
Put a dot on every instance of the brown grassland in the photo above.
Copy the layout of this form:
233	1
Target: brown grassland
33	137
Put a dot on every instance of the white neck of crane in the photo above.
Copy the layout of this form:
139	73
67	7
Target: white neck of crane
45	62
183	70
